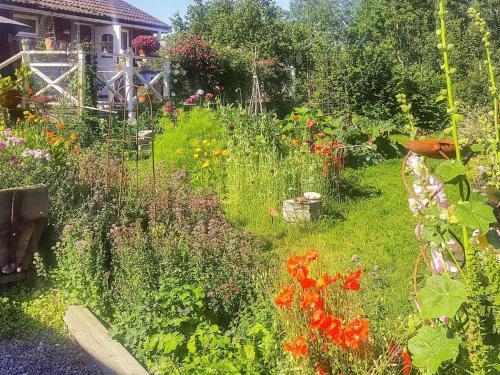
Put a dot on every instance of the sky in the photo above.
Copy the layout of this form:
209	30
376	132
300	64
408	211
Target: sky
164	9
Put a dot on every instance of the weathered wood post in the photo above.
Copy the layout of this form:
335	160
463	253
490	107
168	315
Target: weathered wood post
166	78
26	60
81	80
129	80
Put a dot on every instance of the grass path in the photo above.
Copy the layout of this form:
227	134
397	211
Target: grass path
376	228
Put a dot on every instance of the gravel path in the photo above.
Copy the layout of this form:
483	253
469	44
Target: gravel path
40	357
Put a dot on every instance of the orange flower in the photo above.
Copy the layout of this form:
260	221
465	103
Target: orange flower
74	136
311	300
60	126
355	332
407	363
327	280
307	283
285	296
351	281
50	134
54	140
75	150
297	141
335	332
321	320
298	348
31	117
295	118
297	267
312	255
320	370
30	91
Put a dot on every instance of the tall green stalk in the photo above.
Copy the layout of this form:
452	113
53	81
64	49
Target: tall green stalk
477	351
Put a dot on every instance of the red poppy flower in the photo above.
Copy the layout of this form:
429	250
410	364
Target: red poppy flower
307	283
351	281
285	296
297	267
320	370
312	255
407	363
327	280
298	348
317	319
355	333
311	300
335	332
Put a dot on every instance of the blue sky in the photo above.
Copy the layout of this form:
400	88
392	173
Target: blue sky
164	9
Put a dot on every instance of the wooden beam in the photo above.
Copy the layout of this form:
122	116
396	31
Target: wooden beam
11	60
109	355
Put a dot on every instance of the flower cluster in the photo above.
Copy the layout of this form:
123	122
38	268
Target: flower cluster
208	153
429	191
148	43
40	155
327	327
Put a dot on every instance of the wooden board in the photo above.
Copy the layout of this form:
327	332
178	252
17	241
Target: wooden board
109	355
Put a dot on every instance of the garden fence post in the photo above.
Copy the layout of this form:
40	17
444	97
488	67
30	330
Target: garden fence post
81	81
26	60
130	88
166	78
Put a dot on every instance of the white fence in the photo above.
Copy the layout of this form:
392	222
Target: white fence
54	70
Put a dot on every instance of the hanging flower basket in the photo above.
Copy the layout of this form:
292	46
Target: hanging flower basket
432	148
146	45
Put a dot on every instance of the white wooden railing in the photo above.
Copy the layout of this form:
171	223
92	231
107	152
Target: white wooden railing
120	84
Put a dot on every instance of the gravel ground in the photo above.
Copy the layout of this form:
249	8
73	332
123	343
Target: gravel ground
40	357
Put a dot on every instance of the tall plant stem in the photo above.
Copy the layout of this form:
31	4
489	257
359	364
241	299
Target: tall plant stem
494	93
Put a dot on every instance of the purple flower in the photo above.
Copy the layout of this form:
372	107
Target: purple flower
3	145
193	98
14	141
188	101
438	264
37	154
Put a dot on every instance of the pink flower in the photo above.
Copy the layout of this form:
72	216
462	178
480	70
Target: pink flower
3	145
456	250
419	230
310	124
209	97
438	264
219	88
444	319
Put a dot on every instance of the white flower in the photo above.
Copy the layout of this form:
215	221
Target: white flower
200	92
438	264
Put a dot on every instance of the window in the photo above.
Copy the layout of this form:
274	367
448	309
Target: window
125	40
31	21
107	46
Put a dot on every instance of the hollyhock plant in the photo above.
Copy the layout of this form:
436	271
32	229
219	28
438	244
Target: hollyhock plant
324	313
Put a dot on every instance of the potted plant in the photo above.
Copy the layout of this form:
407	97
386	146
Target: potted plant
146	45
142	95
50	42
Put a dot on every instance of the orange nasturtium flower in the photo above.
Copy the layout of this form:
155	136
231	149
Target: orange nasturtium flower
298	348
351	281
311	300
75	150
355	332
285	296
31	117
60	126
326	280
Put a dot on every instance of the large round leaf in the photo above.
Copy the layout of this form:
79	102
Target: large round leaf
431	347
441	296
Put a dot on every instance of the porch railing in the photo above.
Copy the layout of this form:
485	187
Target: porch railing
120	84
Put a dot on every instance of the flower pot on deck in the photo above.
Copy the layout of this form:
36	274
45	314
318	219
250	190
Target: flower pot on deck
432	148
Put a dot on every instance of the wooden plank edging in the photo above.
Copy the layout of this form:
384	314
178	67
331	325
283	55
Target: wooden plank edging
109	355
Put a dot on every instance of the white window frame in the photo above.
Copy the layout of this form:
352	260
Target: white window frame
19	18
125	31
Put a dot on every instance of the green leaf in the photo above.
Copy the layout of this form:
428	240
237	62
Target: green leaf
477	148
249	352
431	347
153	342
475	215
191	345
171	341
441	296
449	170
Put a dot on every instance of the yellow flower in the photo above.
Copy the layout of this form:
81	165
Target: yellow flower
205	141
74	136
196	156
178	151
206	153
217	153
206	164
225	152
198	149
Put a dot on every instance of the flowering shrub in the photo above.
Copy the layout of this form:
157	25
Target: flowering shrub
323	312
147	43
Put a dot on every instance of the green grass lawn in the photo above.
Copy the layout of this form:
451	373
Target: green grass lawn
373	225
